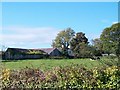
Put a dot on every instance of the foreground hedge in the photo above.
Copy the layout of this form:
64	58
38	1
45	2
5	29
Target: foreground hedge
73	76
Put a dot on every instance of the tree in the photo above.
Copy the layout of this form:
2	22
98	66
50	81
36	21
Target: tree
4	48
79	45
97	43
118	52
97	46
62	40
110	38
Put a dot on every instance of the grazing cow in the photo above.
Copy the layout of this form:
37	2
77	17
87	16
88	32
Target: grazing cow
95	58
104	54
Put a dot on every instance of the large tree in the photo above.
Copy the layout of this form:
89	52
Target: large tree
63	38
79	45
110	38
97	46
97	43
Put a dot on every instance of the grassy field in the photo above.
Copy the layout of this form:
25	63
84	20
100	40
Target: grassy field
46	64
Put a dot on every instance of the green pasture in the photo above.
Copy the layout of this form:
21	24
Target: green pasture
46	64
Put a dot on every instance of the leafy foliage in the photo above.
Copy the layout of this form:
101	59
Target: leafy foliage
97	44
35	52
79	45
68	77
62	40
110	38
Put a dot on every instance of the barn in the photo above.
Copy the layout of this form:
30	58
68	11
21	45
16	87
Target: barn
18	53
52	51
1	55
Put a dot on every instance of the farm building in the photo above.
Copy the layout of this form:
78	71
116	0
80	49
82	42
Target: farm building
51	51
18	53
1	54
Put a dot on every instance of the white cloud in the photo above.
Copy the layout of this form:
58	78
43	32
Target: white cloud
20	36
115	22
108	22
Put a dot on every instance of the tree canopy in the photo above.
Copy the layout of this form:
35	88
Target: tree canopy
110	38
97	43
109	42
79	45
97	46
63	38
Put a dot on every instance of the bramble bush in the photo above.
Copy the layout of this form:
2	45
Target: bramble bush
69	77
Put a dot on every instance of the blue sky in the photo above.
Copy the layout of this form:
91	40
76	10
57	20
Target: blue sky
36	24
60	0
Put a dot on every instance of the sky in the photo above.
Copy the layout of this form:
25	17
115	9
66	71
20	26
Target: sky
36	24
60	0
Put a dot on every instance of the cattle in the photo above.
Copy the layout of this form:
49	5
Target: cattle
95	58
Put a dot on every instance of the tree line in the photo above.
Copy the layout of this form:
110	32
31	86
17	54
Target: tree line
108	43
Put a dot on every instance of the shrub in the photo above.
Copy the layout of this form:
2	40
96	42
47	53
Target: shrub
68	77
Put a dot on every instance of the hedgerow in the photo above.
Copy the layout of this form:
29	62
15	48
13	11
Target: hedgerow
69	77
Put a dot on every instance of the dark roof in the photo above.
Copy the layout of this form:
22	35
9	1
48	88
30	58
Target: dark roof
18	49
43	50
25	50
47	50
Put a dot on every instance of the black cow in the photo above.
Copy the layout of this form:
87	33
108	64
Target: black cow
95	58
